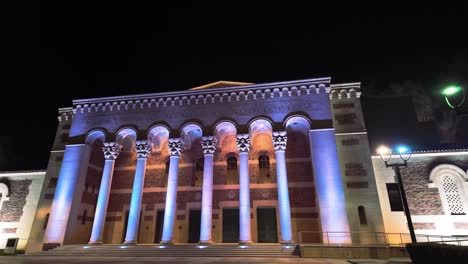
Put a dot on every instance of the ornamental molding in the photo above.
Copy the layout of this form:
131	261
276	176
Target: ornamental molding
218	95
208	145
142	148
279	140
243	143
175	146
65	114
111	150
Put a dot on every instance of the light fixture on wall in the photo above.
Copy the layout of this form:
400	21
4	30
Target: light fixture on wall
405	154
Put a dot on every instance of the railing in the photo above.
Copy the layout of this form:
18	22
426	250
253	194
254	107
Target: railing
373	238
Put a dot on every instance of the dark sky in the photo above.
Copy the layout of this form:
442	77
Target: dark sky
59	52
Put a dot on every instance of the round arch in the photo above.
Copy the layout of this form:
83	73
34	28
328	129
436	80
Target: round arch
95	134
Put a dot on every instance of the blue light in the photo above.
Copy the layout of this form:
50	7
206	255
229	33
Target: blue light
201	246
161	246
243	246
403	149
123	246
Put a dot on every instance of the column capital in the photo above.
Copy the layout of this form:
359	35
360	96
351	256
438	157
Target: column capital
175	146
143	149
243	142
111	150
208	145
279	140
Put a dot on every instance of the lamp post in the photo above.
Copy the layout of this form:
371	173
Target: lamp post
405	154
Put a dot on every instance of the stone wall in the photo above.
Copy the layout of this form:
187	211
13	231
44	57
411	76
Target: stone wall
17	213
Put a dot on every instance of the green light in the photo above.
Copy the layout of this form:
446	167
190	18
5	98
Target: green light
451	90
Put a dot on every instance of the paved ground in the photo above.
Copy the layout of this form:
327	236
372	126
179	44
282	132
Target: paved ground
119	260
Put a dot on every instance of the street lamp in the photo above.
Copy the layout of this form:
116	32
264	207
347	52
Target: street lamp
450	92
405	154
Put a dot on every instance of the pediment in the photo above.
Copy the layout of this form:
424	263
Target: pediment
220	84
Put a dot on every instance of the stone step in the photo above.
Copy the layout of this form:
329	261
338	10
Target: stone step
280	251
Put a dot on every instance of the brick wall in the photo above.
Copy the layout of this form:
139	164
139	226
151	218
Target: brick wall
12	210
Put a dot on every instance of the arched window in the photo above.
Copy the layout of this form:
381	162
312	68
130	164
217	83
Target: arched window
85	215
453	196
232	176
362	215
450	181
263	169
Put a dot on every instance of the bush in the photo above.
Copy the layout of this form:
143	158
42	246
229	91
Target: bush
424	253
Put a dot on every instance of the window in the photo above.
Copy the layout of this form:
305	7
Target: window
449	180
232	176
264	162
362	215
85	215
46	221
263	169
454	200
394	197
232	163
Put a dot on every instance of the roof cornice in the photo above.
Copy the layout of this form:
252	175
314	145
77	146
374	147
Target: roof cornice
215	95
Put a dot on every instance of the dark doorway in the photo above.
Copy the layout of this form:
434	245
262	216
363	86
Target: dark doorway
231	225
194	226
159	226
266	225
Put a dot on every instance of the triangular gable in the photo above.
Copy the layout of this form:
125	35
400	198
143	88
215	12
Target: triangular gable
219	84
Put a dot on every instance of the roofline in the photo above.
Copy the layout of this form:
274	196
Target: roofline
206	91
21	172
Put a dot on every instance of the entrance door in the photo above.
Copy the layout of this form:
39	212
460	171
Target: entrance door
159	226
194	226
266	225
231	225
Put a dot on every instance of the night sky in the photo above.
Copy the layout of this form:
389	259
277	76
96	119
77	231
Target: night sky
59	52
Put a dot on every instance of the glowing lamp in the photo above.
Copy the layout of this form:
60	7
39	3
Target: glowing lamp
384	152
451	91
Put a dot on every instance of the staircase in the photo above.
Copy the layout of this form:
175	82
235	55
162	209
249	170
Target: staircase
182	250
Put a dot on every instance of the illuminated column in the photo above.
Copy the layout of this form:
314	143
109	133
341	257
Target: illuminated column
111	151
74	165
143	149
329	185
243	143
175	149
208	147
279	142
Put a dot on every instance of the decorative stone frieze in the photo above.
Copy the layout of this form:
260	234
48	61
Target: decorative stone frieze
175	146
279	140
65	114
111	150
208	144
243	142
143	149
219	95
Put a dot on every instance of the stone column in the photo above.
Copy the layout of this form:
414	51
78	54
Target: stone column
279	142
74	165
329	186
111	151
243	143
143	149
208	147
175	149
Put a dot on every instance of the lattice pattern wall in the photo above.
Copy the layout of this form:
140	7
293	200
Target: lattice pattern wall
453	196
